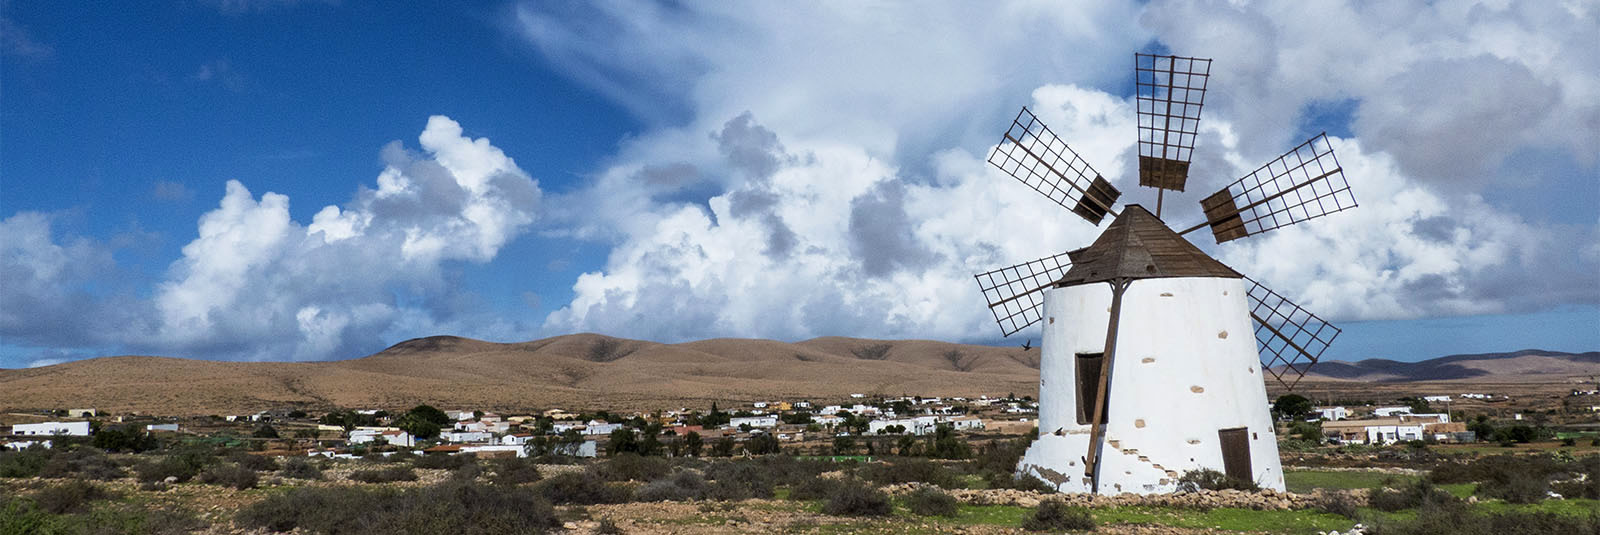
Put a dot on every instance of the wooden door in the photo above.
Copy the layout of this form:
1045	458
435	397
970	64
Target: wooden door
1236	453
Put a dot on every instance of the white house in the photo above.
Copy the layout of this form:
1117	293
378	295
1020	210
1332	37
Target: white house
597	427
1385	412
827	419
519	439
759	404
920	425
73	429
802	404
1389	434
460	415
466	436
162	427
965	423
831	409
564	426
754	421
1436	399
1332	414
858	396
394	437
24	444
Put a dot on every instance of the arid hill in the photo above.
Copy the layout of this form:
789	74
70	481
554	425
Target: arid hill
594	371
582	370
1528	365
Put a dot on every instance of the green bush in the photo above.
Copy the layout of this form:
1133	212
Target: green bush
1513	478
930	501
633	467
1409	496
736	481
581	488
514	471
910	471
1053	515
443	461
24	463
455	506
229	475
814	488
83	463
1339	503
683	485
70	497
301	468
384	475
1208	479
259	463
855	499
1457	518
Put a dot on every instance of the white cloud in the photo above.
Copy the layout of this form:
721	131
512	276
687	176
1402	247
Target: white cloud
866	205
255	284
1448	89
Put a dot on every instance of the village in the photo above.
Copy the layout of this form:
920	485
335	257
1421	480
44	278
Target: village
857	426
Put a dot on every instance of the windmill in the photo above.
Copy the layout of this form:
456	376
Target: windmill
1145	314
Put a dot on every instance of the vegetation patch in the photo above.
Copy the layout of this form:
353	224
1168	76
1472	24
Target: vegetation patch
455	506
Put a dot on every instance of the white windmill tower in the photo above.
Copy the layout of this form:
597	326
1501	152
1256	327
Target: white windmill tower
1143	332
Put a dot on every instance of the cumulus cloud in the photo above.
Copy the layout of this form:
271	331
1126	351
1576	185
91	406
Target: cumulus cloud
47	286
850	195
255	284
1448	89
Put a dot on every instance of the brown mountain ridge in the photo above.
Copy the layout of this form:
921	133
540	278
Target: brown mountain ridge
596	371
572	371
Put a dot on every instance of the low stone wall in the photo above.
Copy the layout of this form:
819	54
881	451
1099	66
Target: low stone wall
1210	499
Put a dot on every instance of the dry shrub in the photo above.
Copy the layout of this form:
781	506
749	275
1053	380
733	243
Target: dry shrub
70	497
1055	516
229	475
930	501
385	475
856	499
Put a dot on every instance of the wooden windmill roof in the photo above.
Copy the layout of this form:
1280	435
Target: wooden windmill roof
1137	245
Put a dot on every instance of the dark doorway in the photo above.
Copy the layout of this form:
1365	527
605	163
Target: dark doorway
1236	453
1089	386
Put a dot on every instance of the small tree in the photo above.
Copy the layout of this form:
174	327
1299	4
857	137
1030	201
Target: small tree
1292	407
843	445
265	431
692	443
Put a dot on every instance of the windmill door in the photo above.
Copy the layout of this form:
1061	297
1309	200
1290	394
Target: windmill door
1236	453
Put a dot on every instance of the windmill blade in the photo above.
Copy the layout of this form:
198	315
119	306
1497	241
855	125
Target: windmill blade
1015	294
1170	91
1033	154
1288	338
1304	183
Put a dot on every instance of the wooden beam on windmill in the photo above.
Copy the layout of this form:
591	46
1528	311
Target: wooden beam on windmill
1305	183
1033	155
1169	93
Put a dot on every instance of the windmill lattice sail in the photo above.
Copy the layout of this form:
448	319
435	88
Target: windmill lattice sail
1033	154
1289	338
1171	90
1014	293
1304	183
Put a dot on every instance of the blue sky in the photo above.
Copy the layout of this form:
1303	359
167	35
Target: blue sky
303	180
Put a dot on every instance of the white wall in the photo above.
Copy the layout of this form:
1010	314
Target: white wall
76	429
1176	380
